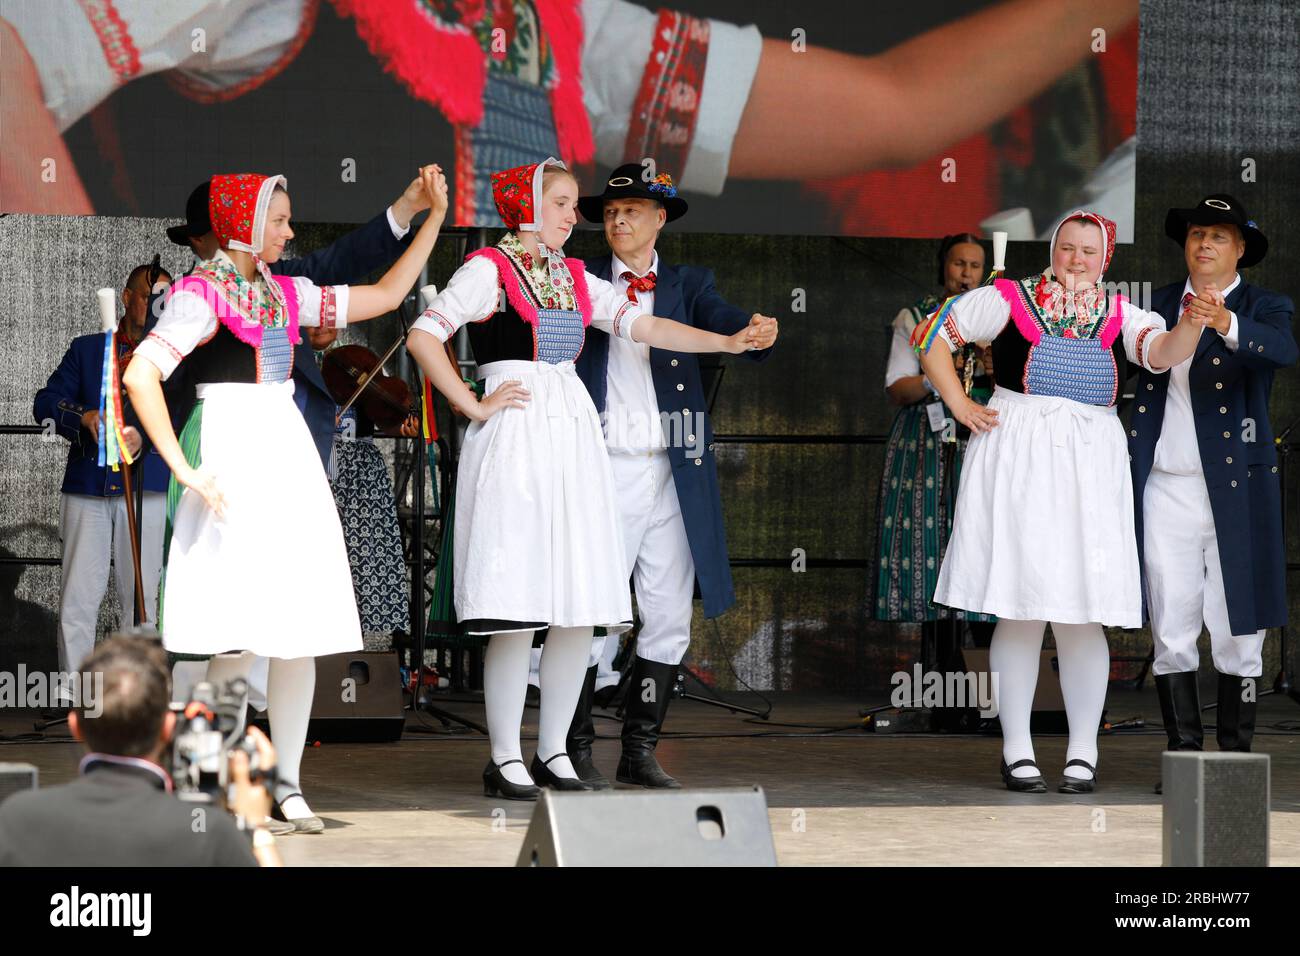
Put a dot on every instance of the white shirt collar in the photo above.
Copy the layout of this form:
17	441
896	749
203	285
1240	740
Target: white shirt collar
618	267
1236	281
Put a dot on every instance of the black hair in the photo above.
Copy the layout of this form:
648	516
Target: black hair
138	271
945	247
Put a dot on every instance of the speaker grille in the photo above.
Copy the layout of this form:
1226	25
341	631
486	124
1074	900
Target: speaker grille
1236	811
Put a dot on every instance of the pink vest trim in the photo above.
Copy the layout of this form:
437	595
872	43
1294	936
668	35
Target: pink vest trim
247	332
1025	323
1114	321
1028	326
509	280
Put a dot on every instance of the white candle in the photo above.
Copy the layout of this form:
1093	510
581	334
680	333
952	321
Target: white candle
999	251
107	310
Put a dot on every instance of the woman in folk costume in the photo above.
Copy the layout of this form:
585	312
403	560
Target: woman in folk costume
918	484
537	542
255	513
1044	524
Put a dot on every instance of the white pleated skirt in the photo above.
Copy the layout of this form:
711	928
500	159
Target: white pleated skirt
1043	528
537	538
272	575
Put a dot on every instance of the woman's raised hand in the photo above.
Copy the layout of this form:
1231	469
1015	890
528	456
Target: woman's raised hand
435	187
508	395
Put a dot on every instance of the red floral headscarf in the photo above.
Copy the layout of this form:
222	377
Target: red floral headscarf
1107	230
518	194
1085	304
237	205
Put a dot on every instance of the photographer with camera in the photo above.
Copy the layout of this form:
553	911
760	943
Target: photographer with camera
121	810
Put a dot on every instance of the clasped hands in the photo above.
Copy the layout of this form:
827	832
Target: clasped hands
1207	310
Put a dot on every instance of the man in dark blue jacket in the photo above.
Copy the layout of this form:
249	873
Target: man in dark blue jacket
1208	502
660	442
346	261
92	511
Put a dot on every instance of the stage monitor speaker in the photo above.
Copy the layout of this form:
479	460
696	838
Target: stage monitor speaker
1048	715
17	777
722	827
358	698
1216	808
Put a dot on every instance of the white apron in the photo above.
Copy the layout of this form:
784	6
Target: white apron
272	576
537	539
1044	527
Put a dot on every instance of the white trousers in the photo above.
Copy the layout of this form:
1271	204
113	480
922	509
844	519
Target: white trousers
1185	580
658	553
94	532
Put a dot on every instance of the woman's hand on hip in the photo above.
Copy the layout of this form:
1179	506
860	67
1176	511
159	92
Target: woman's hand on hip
978	418
510	394
205	485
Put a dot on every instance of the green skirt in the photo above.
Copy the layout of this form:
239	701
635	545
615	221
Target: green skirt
914	511
191	444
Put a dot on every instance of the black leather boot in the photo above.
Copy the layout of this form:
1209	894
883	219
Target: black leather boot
648	693
1236	718
1180	708
582	735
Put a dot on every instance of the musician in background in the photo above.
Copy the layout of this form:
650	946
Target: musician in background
918	484
93	525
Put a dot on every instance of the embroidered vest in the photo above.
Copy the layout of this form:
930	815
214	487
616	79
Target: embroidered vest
525	330
241	350
1030	360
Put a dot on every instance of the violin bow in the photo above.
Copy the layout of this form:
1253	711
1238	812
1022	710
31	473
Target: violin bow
392	349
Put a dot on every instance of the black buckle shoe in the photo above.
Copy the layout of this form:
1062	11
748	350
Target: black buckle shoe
1035	784
1078	784
496	784
546	777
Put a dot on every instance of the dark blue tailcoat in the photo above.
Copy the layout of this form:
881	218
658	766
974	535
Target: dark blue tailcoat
1230	392
684	294
71	391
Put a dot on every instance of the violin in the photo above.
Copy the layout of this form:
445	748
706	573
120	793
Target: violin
354	374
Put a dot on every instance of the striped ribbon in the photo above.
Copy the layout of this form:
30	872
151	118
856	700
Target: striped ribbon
112	443
926	332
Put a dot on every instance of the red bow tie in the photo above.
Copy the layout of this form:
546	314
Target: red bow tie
635	284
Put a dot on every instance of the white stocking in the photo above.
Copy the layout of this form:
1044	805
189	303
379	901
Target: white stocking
223	668
1014	656
562	671
290	686
505	684
1085	672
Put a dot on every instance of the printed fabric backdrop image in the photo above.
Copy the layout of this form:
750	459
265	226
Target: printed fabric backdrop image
869	119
